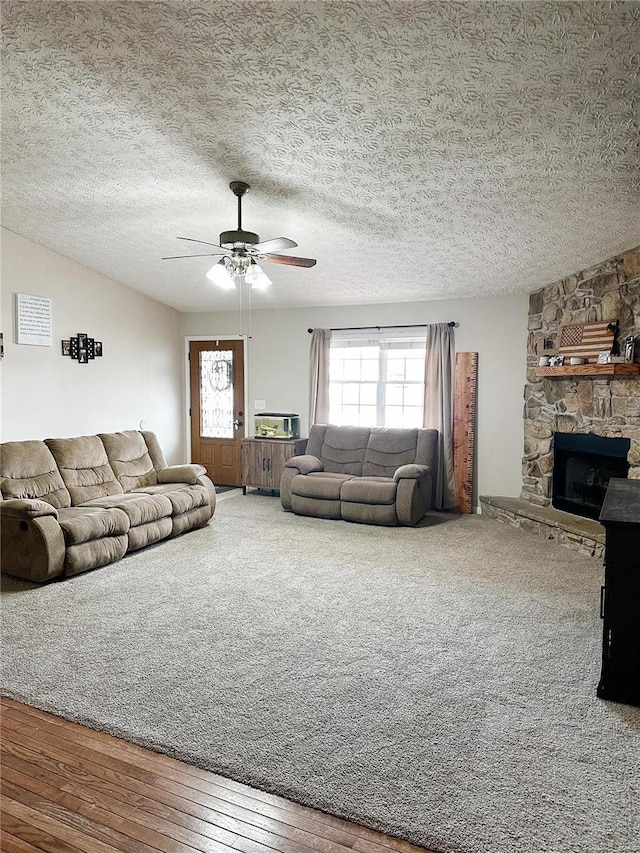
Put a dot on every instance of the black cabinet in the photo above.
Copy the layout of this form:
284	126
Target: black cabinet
620	606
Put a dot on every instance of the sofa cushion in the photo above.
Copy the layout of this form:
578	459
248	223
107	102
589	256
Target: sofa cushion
343	449
28	470
387	450
140	508
155	451
183	498
318	485
94	554
147	534
369	490
130	459
197	517
81	524
84	467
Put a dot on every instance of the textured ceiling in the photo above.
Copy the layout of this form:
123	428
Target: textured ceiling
418	150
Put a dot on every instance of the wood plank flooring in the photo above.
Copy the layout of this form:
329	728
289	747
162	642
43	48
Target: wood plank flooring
66	788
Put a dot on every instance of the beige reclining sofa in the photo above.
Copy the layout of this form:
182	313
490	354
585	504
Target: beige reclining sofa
371	475
73	504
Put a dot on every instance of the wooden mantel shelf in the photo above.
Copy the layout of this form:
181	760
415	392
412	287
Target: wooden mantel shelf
617	370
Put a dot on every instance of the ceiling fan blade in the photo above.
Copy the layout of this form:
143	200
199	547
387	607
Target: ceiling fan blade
193	240
206	255
275	245
291	261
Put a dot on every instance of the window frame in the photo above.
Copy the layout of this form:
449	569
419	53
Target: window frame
384	341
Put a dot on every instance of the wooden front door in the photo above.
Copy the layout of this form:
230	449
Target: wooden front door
216	370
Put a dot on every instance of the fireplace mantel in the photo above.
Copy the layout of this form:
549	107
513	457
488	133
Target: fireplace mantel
619	371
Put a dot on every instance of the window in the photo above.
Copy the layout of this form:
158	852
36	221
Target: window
377	380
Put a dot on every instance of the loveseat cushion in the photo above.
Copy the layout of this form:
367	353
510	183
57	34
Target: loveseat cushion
387	450
320	484
84	467
315	507
130	459
81	524
366	513
344	448
369	490
28	470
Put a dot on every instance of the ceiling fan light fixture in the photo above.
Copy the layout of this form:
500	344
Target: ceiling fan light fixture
220	276
256	277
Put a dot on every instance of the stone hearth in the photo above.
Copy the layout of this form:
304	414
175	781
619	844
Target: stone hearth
573	531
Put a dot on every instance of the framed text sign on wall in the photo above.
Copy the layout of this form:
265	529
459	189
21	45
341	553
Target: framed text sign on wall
33	320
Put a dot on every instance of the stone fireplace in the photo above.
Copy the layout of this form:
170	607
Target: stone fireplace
599	406
591	407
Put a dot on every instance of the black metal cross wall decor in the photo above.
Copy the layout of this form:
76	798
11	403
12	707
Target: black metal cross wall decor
82	348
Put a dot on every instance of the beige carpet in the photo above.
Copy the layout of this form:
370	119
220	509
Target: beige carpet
437	683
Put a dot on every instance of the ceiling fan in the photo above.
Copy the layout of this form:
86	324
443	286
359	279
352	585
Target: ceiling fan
241	250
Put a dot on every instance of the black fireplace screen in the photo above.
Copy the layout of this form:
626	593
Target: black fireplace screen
582	468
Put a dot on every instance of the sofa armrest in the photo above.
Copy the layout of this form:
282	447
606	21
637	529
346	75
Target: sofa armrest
188	473
26	508
305	464
413	496
411	472
32	544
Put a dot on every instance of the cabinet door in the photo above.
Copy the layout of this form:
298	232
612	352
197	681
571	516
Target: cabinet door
254	464
279	452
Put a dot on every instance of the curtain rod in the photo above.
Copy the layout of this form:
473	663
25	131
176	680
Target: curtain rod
358	328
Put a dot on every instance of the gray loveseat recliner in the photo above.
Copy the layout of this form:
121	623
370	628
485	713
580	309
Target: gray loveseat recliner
371	475
72	504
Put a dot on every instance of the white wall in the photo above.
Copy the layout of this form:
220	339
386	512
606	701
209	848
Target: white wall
139	377
495	327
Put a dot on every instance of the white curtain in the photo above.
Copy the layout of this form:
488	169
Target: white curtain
319	376
438	408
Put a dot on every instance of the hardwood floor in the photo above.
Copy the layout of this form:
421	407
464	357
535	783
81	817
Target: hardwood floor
66	788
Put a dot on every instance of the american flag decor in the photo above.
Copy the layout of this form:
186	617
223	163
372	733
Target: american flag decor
587	340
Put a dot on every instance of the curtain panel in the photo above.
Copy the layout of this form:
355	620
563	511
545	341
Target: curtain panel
438	408
319	376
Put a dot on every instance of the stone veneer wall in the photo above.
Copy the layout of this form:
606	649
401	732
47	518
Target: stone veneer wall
602	406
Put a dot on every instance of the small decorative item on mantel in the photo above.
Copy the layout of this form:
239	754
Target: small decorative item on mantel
629	349
82	348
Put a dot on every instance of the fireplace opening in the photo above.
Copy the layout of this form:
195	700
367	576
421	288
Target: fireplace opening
582	468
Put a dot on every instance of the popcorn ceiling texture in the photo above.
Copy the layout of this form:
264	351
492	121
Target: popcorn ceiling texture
603	406
419	150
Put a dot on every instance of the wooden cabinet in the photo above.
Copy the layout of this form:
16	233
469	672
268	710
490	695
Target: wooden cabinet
620	604
263	461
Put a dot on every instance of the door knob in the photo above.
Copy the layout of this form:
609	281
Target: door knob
237	424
